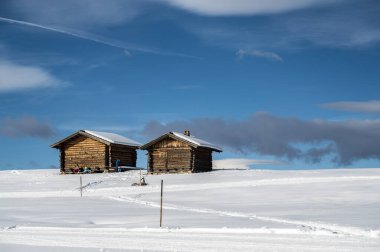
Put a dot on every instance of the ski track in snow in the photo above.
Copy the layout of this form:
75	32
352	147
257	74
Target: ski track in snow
187	187
305	226
189	239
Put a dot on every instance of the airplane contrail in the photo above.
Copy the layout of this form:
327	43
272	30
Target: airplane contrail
93	38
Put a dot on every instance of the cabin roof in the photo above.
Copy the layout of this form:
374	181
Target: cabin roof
193	141
104	137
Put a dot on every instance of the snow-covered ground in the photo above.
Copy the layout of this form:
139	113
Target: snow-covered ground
226	210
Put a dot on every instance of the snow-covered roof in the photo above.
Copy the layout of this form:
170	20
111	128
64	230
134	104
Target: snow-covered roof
106	137
113	138
197	141
193	141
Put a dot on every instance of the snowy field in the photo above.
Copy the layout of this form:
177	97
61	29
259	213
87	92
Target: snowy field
225	210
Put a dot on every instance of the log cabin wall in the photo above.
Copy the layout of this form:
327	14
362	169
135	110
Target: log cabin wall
84	151
202	160
126	155
170	156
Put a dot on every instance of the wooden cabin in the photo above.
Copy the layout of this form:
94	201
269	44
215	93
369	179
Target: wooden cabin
95	150
179	153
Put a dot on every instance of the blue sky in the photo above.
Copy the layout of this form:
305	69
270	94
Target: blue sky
293	82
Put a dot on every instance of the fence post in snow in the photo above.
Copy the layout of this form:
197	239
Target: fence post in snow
162	185
81	188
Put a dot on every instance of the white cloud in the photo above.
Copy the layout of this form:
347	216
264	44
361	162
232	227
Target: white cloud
259	54
15	77
366	106
241	163
244	7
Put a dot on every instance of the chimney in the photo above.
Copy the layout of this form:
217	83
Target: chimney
186	132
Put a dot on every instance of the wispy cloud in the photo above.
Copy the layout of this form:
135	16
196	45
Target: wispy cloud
258	54
127	53
242	163
244	7
345	25
77	35
90	37
16	77
353	24
26	126
44	59
364	106
85	14
292	138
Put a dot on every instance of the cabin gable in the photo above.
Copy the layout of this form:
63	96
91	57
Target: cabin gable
169	155
169	142
83	151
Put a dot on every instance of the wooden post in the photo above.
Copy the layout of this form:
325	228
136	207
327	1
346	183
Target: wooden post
162	186
81	188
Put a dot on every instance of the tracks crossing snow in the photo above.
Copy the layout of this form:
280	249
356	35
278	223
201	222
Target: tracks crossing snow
188	187
305	226
183	239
